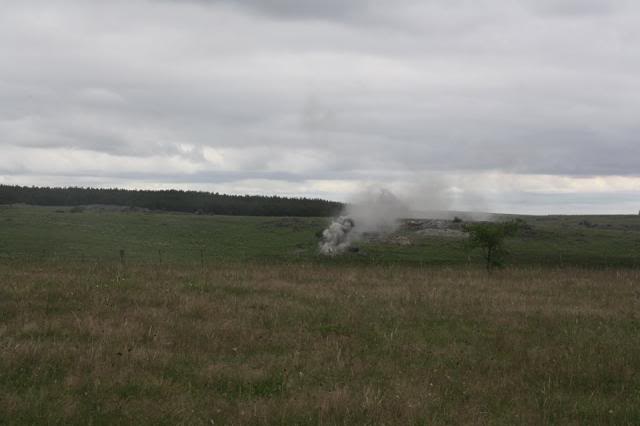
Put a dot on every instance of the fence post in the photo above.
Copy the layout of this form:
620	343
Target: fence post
122	257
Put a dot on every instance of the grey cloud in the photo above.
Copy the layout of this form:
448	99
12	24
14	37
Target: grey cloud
577	7
208	177
298	9
302	90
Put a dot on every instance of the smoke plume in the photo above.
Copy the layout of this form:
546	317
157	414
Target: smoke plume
337	237
373	211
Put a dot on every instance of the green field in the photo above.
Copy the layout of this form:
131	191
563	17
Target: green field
235	320
57	234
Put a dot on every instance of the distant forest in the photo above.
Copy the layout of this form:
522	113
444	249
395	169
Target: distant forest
170	200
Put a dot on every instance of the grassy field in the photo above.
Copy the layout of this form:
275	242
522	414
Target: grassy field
263	331
43	234
317	344
56	234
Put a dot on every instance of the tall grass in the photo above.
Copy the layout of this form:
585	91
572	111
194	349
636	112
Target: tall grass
317	344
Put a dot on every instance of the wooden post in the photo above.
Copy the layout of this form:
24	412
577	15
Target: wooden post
122	257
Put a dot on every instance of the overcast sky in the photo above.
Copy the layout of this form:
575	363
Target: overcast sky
515	106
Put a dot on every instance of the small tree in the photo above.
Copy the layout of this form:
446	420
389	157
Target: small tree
490	238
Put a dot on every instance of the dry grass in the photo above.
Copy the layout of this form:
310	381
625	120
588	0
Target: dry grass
312	344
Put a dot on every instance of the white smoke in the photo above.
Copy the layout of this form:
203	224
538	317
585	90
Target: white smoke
379	211
336	239
373	211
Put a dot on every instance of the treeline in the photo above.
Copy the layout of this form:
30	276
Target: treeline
170	200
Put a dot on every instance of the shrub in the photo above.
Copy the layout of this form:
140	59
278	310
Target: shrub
490	237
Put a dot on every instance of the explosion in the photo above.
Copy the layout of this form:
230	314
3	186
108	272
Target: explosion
374	211
336	239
